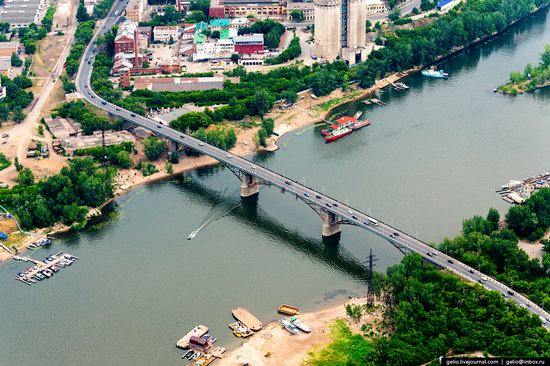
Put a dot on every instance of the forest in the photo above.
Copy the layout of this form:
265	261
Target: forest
431	313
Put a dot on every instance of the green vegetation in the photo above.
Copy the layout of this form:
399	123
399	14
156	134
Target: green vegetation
191	122
63	197
16	60
82	13
47	21
17	98
532	219
297	15
146	168
271	30
294	50
431	313
532	77
28	36
88	120
117	155
223	137
153	148
101	9
83	35
4	162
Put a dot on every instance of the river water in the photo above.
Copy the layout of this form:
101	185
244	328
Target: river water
433	156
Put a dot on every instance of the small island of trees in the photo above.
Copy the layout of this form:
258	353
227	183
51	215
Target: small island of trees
532	78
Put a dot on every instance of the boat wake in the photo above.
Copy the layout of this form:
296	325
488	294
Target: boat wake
217	212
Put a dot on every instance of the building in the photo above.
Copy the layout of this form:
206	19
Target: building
125	37
2	90
222	49
375	7
7	48
166	33
147	32
228	33
216	10
188	31
83	142
307	9
258	8
249	43
62	128
340	30
89	5
136	9
237	23
219	24
5	67
21	13
180	84
444	5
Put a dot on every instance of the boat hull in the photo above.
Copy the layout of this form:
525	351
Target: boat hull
330	138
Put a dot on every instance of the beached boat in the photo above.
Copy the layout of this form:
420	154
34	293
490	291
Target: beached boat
287	309
248	320
300	324
240	330
291	328
198	331
435	74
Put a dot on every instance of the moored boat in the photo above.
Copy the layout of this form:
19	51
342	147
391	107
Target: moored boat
247	319
291	328
435	74
288	309
338	132
360	124
300	324
401	85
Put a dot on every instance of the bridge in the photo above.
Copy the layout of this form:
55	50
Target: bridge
333	213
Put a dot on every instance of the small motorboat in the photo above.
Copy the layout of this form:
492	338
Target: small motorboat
291	328
433	73
300	324
401	85
187	354
191	355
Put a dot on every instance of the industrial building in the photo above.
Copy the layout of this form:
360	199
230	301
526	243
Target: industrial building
166	33
21	13
307	9
242	8
340	30
125	37
136	9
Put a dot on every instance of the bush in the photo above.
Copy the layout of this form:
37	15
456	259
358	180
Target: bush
153	148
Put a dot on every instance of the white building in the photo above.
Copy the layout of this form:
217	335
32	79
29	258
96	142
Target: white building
376	7
166	33
224	48
237	23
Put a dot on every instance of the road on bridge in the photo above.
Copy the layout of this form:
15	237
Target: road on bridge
312	197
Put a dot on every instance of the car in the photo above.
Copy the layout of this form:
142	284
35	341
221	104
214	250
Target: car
328	204
355	217
429	254
505	296
118	109
159	127
391	236
471	270
86	86
484	278
434	253
335	204
132	114
479	280
350	211
4	135
528	305
287	182
201	144
522	306
103	102
510	293
93	96
89	62
306	194
450	261
182	136
396	234
228	156
253	167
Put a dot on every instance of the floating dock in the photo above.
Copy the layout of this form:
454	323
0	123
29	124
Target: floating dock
53	266
245	317
198	331
517	191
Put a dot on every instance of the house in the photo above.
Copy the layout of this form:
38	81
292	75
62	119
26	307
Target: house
5	67
219	24
237	23
444	5
376	7
7	48
188	31
124	39
222	49
249	43
166	33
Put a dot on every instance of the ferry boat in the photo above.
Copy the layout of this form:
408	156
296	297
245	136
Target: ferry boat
435	74
291	328
338	131
300	324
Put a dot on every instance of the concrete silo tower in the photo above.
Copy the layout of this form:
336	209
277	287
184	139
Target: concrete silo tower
356	24
328	28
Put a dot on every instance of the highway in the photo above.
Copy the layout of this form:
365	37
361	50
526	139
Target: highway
347	213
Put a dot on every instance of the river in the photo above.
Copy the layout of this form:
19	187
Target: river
433	156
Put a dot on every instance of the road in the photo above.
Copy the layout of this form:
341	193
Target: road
347	213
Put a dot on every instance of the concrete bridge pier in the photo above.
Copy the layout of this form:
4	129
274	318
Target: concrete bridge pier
331	226
173	146
249	186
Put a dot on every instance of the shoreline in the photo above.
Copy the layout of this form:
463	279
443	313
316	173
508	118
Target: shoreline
284	123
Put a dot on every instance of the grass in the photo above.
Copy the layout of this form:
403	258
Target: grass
346	348
4	162
331	103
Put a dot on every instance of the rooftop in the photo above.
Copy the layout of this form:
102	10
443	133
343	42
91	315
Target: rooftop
249	38
220	22
9	45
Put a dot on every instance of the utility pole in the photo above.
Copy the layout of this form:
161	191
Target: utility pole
370	274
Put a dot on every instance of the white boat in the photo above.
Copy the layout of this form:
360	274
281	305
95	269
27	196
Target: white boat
401	85
291	328
435	74
300	324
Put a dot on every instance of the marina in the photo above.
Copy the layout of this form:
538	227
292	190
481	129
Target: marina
517	191
42	270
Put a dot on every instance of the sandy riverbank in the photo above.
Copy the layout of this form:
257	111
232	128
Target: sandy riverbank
273	345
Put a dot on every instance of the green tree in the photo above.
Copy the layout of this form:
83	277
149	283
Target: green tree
494	218
263	102
192	121
169	168
545	57
268	124
394	15
81	13
153	148
297	15
262	135
522	220
25	176
15	60
516	77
